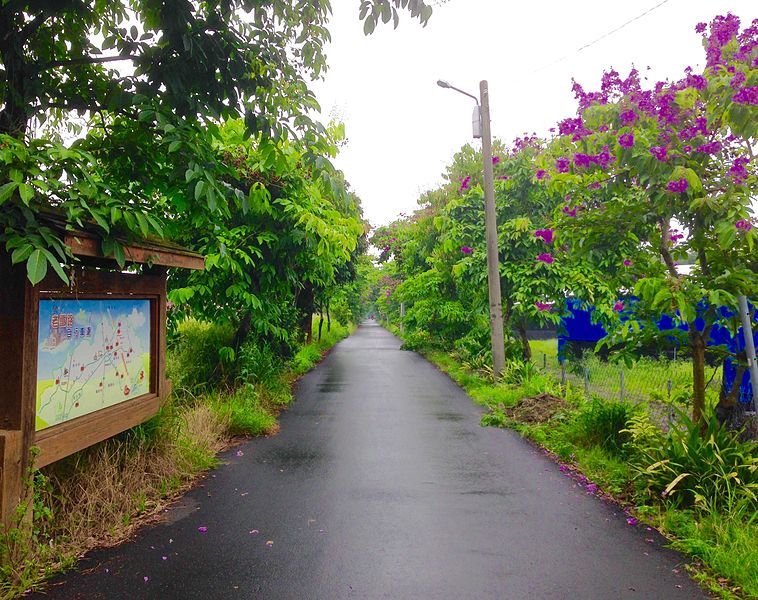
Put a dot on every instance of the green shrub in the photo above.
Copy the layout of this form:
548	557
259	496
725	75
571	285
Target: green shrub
243	412
417	340
517	372
603	423
711	469
258	363
193	362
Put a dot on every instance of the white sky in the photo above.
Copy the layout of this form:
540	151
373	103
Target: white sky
402	129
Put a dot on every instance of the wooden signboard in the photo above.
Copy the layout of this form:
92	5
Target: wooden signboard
79	363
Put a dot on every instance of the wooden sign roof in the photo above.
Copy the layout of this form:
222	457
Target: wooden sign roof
87	242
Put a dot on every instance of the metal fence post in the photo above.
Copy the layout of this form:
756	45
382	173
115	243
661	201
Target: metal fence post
622	385
669	385
586	381
544	360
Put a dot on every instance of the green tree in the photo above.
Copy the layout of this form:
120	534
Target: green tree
146	78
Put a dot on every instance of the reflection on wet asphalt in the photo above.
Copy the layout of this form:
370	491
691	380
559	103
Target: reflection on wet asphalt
382	484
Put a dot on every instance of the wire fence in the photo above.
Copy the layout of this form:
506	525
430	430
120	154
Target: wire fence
659	380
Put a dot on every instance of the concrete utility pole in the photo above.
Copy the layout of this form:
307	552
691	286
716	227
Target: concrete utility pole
490	219
482	128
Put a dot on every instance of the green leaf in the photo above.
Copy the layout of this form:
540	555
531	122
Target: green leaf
36	267
101	221
199	187
55	263
174	146
21	254
118	254
26	192
6	190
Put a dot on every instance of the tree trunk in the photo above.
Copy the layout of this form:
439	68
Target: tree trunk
320	321
328	318
243	330
305	304
526	347
697	344
725	412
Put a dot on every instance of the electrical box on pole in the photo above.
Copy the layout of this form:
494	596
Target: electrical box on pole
476	122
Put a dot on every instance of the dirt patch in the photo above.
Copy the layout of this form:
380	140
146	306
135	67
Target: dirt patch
538	409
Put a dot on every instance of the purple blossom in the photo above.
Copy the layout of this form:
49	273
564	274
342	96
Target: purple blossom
678	186
569	212
626	140
503	178
687	149
723	29
627	262
544	306
737	171
631	521
581	160
563	469
659	152
202	529
628	117
697	82
495	160
573	127
466	249
743	225
546	258
545	234
465	183
709	148
540	174
592	488
700	28
747	95
737	80
562	164
618	306
675	236
603	158
698	127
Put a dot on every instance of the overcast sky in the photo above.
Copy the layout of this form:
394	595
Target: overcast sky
402	129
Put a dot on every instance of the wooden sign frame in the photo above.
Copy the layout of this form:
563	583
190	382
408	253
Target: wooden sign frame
19	329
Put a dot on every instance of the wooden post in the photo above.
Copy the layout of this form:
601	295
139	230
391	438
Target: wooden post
18	374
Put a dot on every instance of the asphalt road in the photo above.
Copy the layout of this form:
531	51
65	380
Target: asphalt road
382	484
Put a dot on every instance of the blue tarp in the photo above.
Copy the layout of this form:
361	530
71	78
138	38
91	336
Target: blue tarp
577	326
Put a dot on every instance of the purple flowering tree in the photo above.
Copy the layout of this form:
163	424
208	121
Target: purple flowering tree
535	271
662	176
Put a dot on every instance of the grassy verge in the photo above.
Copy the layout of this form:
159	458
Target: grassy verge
589	437
98	496
648	379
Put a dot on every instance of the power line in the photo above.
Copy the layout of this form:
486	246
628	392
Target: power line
602	37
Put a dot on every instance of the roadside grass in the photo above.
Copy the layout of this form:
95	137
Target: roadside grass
588	434
646	380
98	496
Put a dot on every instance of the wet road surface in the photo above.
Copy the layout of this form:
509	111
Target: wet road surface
382	484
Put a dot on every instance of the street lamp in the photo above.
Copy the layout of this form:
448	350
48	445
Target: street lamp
481	123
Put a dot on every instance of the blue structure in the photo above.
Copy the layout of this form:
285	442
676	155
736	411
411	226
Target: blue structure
578	326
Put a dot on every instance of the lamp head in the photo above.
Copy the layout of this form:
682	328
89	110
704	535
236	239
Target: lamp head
443	84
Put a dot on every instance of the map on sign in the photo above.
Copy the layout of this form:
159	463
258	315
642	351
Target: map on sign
91	354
